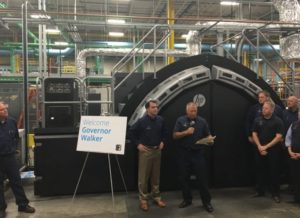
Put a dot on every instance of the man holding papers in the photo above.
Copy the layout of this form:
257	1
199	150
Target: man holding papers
192	134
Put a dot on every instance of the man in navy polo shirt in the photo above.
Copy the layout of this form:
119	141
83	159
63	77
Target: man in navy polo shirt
188	130
149	134
8	165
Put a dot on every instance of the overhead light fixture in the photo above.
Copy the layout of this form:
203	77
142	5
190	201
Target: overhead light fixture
40	16
61	43
116	34
184	36
257	59
116	21
53	31
229	3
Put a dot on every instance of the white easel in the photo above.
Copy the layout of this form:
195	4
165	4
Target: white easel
98	134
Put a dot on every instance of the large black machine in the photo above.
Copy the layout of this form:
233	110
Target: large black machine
223	89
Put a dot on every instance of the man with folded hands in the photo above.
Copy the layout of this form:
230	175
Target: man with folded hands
267	134
192	134
149	134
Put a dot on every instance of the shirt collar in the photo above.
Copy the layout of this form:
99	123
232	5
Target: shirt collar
151	118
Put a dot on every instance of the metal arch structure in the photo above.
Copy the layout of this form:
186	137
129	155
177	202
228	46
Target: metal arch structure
167	90
227	89
210	67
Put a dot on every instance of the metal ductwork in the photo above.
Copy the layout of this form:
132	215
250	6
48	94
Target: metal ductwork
193	41
289	11
81	58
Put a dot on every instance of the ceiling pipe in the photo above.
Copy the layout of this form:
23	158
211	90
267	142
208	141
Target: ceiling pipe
32	52
202	20
82	55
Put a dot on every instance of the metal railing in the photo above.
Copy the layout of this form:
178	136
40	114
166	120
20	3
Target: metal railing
254	38
138	48
82	93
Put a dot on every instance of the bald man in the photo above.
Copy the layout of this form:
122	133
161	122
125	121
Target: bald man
290	114
188	130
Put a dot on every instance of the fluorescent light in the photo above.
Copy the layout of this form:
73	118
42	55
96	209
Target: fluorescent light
116	34
229	3
61	43
257	59
40	16
53	31
115	21
184	36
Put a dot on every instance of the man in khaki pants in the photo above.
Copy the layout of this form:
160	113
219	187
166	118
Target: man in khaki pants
148	134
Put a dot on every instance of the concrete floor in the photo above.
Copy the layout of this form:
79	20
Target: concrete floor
228	203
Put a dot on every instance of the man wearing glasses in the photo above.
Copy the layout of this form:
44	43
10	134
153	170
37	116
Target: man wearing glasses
8	165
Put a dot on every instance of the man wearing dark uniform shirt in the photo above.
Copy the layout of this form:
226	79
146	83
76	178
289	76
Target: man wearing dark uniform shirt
292	141
256	111
8	165
149	134
267	135
187	131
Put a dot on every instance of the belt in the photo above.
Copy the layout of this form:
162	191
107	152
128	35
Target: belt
152	147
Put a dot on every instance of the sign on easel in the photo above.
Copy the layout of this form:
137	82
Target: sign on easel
102	134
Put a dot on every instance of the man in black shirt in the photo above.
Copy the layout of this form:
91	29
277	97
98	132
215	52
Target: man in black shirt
188	130
8	165
149	134
267	133
256	111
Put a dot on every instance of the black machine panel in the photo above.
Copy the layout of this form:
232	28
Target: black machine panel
61	89
57	113
58	166
229	160
61	115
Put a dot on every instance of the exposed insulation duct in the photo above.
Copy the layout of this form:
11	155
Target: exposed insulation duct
289	11
81	57
290	46
193	41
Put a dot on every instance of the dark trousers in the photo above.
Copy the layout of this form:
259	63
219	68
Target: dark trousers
295	174
267	171
9	167
193	162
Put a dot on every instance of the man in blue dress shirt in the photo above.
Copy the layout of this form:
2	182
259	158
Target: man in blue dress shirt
292	141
